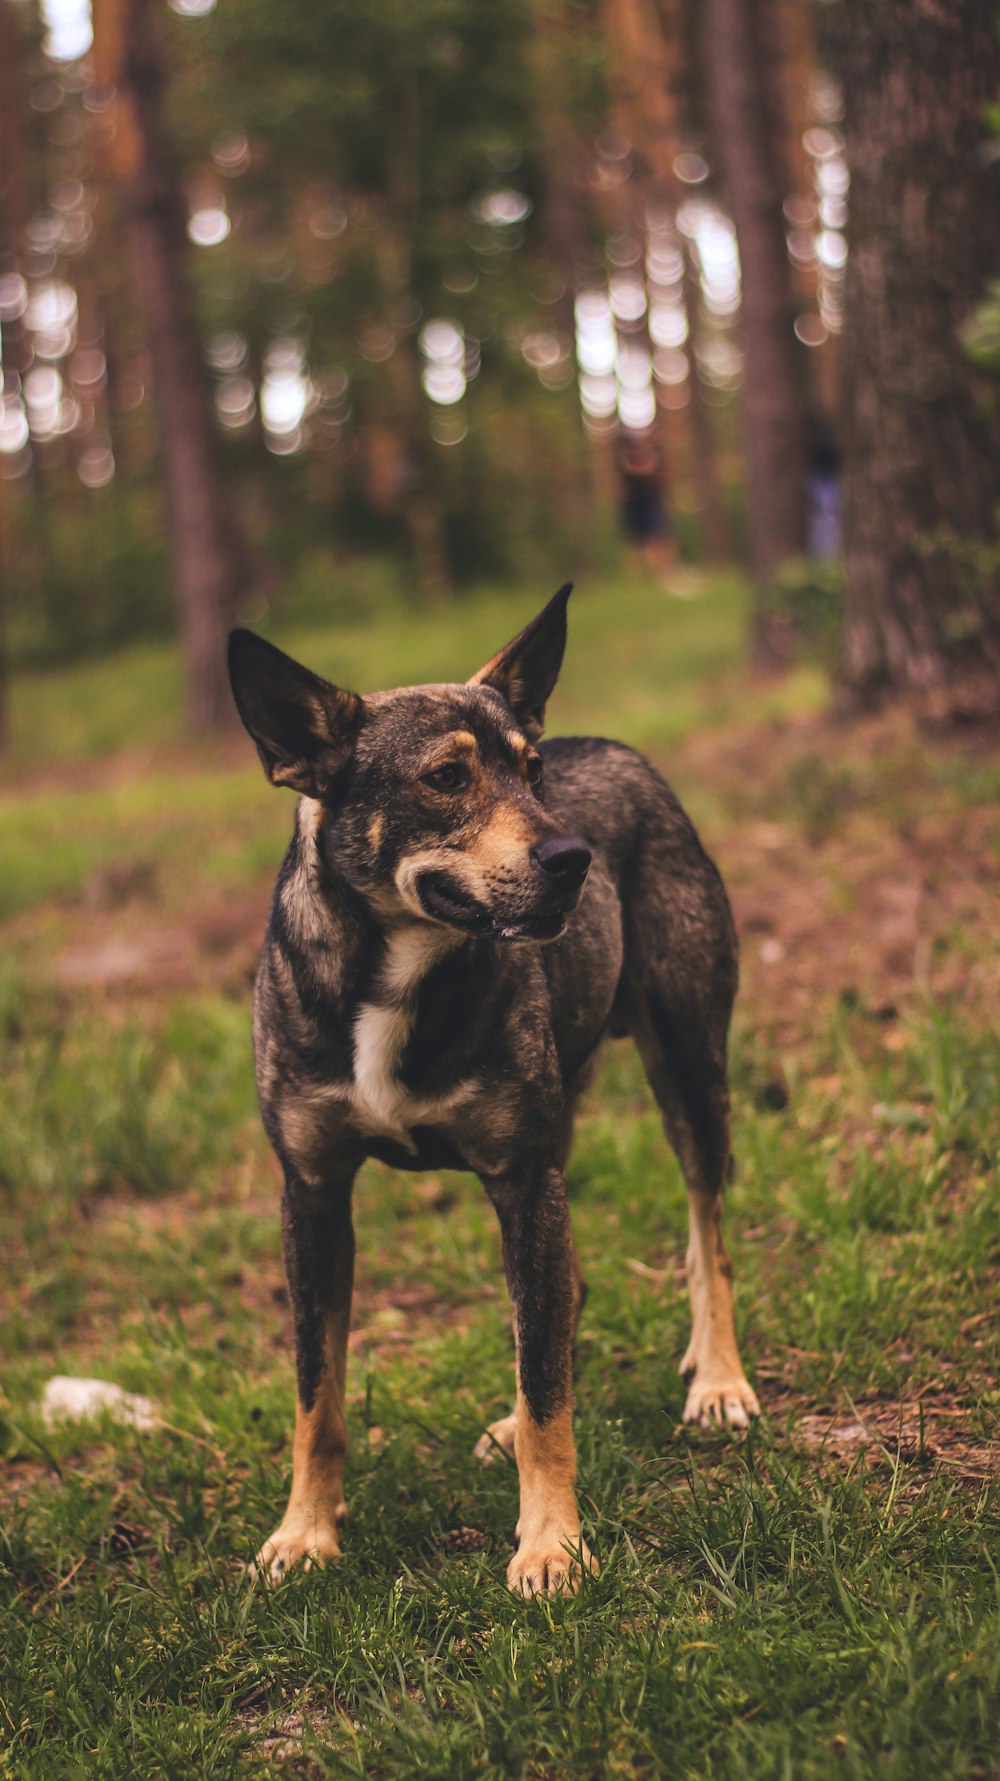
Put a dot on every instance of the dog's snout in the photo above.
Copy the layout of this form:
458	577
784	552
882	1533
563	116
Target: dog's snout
564	859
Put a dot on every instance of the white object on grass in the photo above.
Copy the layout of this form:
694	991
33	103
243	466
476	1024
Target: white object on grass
65	1399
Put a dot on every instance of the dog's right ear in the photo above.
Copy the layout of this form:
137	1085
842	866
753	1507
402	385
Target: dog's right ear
303	726
525	671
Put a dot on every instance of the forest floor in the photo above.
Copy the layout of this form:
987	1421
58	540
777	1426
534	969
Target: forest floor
820	1597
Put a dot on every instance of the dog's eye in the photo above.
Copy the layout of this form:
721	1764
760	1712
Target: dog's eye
533	768
451	777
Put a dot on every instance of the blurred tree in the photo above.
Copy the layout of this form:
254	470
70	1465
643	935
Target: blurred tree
921	423
741	55
209	564
647	42
13	216
570	235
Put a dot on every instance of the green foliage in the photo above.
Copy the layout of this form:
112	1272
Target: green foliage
88	574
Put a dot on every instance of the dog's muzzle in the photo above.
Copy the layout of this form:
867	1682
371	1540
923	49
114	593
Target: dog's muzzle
538	912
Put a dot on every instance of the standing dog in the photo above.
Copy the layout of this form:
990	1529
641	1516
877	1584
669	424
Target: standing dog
460	919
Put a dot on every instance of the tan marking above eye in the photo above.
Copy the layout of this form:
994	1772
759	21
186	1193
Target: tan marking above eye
445	749
376	829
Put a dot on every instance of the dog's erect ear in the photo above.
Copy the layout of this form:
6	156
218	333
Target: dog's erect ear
527	668
303	726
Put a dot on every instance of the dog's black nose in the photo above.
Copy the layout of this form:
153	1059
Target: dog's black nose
564	859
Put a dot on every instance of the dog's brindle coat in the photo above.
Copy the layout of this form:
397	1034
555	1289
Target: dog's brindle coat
405	1010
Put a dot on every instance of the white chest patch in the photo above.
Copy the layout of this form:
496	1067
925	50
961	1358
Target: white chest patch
380	1100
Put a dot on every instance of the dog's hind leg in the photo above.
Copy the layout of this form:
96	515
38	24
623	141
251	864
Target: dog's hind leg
680	977
691	1089
318	1242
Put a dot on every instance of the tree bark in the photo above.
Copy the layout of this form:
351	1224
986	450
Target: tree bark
423	515
14	353
566	223
209	564
649	47
921	423
749	143
711	507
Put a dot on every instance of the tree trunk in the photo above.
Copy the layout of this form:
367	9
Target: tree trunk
711	507
209	564
739	38
423	515
921	423
569	249
14	351
648	43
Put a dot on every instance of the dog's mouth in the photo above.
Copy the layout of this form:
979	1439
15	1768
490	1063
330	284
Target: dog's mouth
441	898
445	901
536	928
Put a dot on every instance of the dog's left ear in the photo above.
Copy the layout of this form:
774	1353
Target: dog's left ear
526	669
304	727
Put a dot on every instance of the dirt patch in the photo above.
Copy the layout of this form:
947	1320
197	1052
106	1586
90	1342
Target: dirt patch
278	1736
862	862
930	1430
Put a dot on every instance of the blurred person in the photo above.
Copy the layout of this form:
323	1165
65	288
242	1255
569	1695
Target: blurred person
644	516
824	494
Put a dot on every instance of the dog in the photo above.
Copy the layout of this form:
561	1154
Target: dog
462	916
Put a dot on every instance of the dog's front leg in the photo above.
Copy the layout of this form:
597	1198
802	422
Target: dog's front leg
538	1258
318	1243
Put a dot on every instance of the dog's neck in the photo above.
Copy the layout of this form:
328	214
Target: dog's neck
329	920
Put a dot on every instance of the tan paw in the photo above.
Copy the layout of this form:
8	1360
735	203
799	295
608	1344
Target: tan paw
549	1567
293	1543
717	1400
499	1437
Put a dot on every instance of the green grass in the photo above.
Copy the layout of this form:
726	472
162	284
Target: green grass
764	1607
819	1599
198	814
680	660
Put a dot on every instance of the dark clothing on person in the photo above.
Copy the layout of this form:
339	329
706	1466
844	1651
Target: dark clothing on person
643	509
643	513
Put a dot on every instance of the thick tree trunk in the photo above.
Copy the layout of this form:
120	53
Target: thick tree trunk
739	38
209	564
921	424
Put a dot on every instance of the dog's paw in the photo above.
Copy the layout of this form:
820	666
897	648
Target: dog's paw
550	1568
718	1400
293	1543
498	1438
